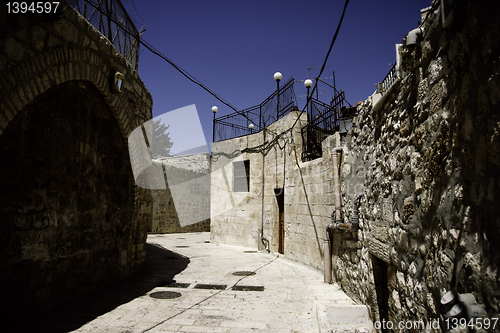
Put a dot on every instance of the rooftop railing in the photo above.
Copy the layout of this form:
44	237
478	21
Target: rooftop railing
237	124
113	21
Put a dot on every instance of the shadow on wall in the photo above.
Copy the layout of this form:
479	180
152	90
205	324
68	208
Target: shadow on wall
159	269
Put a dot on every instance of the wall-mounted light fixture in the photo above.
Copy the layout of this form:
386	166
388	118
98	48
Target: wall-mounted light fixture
118	80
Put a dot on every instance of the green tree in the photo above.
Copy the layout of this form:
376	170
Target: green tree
161	140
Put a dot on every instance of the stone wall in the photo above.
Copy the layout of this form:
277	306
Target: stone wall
192	171
250	219
425	156
72	219
429	152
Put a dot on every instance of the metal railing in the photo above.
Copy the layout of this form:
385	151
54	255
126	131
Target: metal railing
113	21
388	81
312	136
323	120
236	124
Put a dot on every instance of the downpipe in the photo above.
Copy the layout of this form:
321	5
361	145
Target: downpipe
335	218
336	221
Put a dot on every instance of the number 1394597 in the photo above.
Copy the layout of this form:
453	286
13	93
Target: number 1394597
38	7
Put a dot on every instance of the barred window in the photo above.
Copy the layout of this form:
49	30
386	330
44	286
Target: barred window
241	173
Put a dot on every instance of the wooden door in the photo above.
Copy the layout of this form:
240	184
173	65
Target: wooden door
280	198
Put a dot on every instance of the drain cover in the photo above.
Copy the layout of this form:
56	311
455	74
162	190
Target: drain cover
182	246
248	288
250	251
177	285
211	286
244	273
165	295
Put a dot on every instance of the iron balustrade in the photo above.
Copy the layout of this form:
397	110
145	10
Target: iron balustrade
312	136
236	124
323	120
388	81
113	21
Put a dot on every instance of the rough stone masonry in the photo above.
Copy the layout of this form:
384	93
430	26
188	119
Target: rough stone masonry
429	152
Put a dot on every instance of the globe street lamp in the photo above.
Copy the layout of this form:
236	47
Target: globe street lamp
214	110
277	78
251	126
308	83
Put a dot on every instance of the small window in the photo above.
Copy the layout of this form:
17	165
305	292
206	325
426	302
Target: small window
241	176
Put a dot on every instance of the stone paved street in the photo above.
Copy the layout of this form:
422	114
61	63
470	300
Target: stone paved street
282	295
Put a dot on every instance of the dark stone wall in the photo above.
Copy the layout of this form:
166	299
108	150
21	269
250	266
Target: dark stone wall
72	219
67	198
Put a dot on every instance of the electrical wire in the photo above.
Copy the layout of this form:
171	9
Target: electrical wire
177	67
263	147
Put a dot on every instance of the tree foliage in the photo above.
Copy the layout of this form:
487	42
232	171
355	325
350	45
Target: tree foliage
161	140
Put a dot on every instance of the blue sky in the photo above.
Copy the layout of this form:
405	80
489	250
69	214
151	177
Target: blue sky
234	47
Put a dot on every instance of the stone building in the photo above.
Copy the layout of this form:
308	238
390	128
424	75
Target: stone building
423	152
184	206
72	219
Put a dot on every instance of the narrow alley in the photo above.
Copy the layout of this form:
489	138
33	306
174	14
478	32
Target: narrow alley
191	285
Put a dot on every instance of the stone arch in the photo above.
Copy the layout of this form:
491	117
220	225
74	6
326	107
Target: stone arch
79	223
23	83
67	197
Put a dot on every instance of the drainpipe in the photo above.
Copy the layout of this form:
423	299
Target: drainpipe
263	240
336	222
336	182
327	245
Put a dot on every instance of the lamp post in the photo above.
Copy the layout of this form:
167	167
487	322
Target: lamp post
308	83
277	78
214	110
251	128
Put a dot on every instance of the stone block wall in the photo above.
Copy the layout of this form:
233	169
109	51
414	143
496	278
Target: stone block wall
191	172
72	219
430	159
237	217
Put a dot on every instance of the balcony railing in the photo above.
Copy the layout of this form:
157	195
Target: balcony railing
113	21
388	81
236	124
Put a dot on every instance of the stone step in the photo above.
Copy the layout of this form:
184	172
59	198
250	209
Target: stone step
343	318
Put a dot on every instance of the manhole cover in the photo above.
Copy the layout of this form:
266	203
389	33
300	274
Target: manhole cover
177	285
165	294
182	246
250	252
248	288
211	286
181	238
244	273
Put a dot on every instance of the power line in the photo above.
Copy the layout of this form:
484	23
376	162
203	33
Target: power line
199	83
177	67
263	147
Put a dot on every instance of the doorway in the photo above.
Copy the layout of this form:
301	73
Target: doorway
280	198
380	276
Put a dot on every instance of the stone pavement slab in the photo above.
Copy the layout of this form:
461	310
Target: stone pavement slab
199	291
